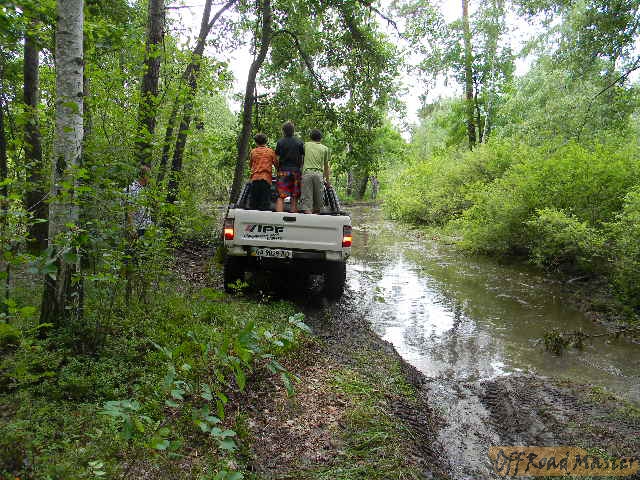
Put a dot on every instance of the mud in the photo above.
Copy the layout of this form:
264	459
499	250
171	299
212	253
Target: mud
478	386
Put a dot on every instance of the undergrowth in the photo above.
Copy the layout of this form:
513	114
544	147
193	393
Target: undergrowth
149	398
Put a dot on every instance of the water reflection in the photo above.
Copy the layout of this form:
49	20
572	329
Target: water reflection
471	318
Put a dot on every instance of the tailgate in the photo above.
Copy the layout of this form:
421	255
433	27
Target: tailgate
289	230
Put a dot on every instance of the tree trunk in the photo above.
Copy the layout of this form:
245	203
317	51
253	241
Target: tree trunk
4	171
362	188
168	138
148	107
468	74
35	196
191	77
498	10
247	106
479	122
60	300
3	205
350	182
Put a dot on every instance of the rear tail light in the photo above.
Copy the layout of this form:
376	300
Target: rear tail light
229	231
347	238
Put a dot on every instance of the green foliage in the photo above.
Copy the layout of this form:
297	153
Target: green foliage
626	252
132	399
553	103
9	336
559	240
569	207
439	190
586	183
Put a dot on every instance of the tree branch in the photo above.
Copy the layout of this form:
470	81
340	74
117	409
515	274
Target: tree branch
623	77
369	4
215	18
307	62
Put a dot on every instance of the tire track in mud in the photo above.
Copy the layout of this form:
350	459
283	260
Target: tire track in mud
456	420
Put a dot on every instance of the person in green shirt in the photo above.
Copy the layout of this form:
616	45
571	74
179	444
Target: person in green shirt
314	171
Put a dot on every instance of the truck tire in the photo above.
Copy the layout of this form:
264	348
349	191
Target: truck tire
335	278
233	269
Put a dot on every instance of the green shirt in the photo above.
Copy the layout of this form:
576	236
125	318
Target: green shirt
315	154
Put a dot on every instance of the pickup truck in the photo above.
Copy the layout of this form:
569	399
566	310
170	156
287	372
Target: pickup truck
304	243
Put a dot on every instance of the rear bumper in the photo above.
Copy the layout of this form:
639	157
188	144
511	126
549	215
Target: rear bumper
298	256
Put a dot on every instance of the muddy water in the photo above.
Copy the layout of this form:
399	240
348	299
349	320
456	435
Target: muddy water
461	319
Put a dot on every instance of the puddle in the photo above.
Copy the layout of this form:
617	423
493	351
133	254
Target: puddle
458	318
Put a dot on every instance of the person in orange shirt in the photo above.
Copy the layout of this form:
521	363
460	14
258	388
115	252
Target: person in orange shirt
262	160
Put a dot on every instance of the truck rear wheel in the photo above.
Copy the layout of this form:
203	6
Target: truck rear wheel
335	278
233	271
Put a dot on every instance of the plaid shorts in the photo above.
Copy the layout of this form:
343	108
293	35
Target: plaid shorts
288	184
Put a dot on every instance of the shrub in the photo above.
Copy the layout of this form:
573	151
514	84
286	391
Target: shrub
626	252
586	184
439	189
9	336
558	240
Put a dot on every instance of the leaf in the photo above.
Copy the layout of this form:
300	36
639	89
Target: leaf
287	384
73	106
206	392
170	403
70	257
204	426
139	426
177	393
241	378
227	444
223	398
160	444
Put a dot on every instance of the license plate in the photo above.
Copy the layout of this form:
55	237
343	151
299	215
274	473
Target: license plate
273	253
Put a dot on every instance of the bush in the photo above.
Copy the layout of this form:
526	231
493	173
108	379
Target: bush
626	252
439	189
558	240
588	185
9	336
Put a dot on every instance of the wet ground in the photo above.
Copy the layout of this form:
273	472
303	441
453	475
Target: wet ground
467	319
471	327
467	332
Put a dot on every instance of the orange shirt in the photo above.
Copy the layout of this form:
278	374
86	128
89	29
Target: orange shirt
262	159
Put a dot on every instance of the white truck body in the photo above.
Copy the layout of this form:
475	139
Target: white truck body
269	240
290	231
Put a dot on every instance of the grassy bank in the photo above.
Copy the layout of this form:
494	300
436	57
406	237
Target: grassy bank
149	396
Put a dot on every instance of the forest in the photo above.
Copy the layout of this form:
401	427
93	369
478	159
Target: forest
121	356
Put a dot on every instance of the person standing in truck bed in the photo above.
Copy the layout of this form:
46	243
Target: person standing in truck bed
263	159
290	155
316	168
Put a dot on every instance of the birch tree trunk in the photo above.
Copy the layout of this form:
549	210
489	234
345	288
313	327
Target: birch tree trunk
468	74
247	105
60	300
35	196
148	107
